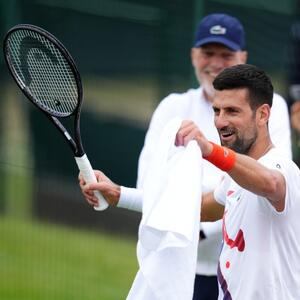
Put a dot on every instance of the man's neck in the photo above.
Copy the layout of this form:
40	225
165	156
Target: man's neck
261	147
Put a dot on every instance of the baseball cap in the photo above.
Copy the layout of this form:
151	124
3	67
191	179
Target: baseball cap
222	29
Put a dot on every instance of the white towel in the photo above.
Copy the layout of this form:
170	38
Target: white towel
169	229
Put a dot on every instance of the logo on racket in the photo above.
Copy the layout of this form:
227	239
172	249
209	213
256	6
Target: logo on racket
24	52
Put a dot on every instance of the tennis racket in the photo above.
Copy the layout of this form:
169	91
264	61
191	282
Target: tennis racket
47	75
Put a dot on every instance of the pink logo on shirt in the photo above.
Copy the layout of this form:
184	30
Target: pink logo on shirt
239	240
230	192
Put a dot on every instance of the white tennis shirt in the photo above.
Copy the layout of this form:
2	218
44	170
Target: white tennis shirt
192	105
260	257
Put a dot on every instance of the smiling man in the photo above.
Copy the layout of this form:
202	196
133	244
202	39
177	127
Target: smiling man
259	198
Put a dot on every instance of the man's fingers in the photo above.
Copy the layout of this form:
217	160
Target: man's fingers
100	186
98	174
92	200
187	132
192	135
81	179
184	130
103	185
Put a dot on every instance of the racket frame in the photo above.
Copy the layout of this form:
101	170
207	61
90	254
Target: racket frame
75	143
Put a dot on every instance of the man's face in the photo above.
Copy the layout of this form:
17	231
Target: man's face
210	59
234	119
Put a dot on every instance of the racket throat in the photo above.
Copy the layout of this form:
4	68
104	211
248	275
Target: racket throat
75	146
72	143
77	136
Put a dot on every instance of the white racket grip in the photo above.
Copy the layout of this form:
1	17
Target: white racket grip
88	174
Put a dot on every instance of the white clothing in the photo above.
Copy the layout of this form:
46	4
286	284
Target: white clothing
192	105
261	247
169	229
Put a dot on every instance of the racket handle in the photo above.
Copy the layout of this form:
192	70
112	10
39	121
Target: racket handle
88	174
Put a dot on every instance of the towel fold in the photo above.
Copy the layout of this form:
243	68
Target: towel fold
169	229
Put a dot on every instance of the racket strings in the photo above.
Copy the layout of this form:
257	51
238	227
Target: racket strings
43	70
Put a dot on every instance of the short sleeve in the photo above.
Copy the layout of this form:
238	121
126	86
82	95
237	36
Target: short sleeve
220	190
290	172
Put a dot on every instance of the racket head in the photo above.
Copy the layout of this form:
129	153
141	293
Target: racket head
43	69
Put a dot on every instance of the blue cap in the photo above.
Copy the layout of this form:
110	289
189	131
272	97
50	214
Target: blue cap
222	29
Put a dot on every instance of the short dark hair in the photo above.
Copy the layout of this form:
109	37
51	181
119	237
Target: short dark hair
247	76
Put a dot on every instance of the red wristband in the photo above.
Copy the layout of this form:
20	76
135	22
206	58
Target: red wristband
221	157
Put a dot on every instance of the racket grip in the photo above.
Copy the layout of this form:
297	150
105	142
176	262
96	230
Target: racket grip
88	174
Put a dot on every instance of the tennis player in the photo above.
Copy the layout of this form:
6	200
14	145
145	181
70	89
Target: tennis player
258	199
220	42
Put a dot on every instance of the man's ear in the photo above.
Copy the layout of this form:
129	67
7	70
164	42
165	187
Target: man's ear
263	114
194	53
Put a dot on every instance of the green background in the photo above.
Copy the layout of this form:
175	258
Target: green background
130	55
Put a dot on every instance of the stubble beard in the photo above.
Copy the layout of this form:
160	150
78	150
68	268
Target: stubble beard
241	145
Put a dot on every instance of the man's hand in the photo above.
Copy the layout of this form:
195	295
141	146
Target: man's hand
189	131
109	190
